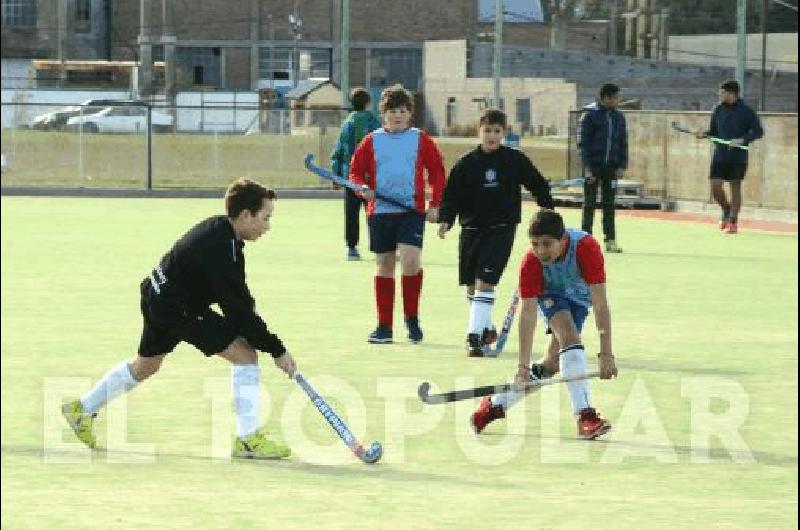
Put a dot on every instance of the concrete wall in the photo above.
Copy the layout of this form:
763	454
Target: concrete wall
445	76
675	165
720	50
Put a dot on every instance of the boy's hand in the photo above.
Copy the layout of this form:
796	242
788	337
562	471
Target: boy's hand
608	368
620	172
443	229
286	363
368	193
736	142
432	215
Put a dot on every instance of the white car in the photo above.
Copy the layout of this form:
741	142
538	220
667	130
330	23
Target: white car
127	119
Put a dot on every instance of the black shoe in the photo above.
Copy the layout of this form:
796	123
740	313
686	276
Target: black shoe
414	331
474	345
381	335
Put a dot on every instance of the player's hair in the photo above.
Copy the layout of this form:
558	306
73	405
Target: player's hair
395	97
608	90
493	117
731	85
547	223
359	97
245	194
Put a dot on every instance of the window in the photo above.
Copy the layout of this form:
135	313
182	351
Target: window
198	66
83	16
278	63
19	12
450	112
390	66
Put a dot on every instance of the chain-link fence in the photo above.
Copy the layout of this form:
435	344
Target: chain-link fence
140	146
674	165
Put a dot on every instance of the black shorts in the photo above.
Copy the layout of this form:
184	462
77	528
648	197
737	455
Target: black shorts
728	171
483	253
166	325
388	229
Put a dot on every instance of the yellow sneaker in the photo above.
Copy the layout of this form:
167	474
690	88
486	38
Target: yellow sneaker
258	446
82	423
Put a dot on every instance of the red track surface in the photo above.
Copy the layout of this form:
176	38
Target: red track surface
768	226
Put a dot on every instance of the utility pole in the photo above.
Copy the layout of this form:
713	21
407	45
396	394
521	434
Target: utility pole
297	30
497	63
344	54
764	9
612	28
169	39
741	43
145	49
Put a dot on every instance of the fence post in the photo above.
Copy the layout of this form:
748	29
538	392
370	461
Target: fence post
149	147
665	168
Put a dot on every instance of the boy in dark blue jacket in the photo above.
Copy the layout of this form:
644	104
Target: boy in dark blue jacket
732	119
604	153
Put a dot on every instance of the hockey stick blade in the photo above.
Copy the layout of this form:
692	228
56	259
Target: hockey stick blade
368	456
470	393
508	321
327	175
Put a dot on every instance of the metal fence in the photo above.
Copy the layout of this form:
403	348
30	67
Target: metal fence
674	166
152	147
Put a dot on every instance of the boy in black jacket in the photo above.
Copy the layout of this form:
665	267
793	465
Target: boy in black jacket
483	190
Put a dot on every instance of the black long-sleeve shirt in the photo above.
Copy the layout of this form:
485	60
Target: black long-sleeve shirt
204	267
484	189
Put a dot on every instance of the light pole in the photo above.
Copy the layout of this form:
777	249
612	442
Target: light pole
497	63
296	24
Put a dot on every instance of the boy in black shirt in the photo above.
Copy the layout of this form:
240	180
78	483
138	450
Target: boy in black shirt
204	267
484	191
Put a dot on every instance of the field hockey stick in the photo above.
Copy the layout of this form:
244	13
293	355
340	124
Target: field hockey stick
507	322
711	138
490	390
324	173
368	456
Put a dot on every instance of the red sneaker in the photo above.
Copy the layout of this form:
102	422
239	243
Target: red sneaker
486	414
591	425
731	228
723	224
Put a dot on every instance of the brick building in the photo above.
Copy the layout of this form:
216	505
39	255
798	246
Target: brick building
249	44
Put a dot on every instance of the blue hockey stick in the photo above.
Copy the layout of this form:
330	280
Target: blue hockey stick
507	322
327	175
368	456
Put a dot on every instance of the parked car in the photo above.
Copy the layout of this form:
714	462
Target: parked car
57	120
125	119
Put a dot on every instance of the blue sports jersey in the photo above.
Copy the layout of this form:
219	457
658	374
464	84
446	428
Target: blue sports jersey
562	278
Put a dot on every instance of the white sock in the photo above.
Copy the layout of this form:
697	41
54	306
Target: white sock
480	312
246	397
572	361
507	399
117	381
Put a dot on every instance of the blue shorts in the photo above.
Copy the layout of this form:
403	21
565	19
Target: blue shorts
388	229
549	305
